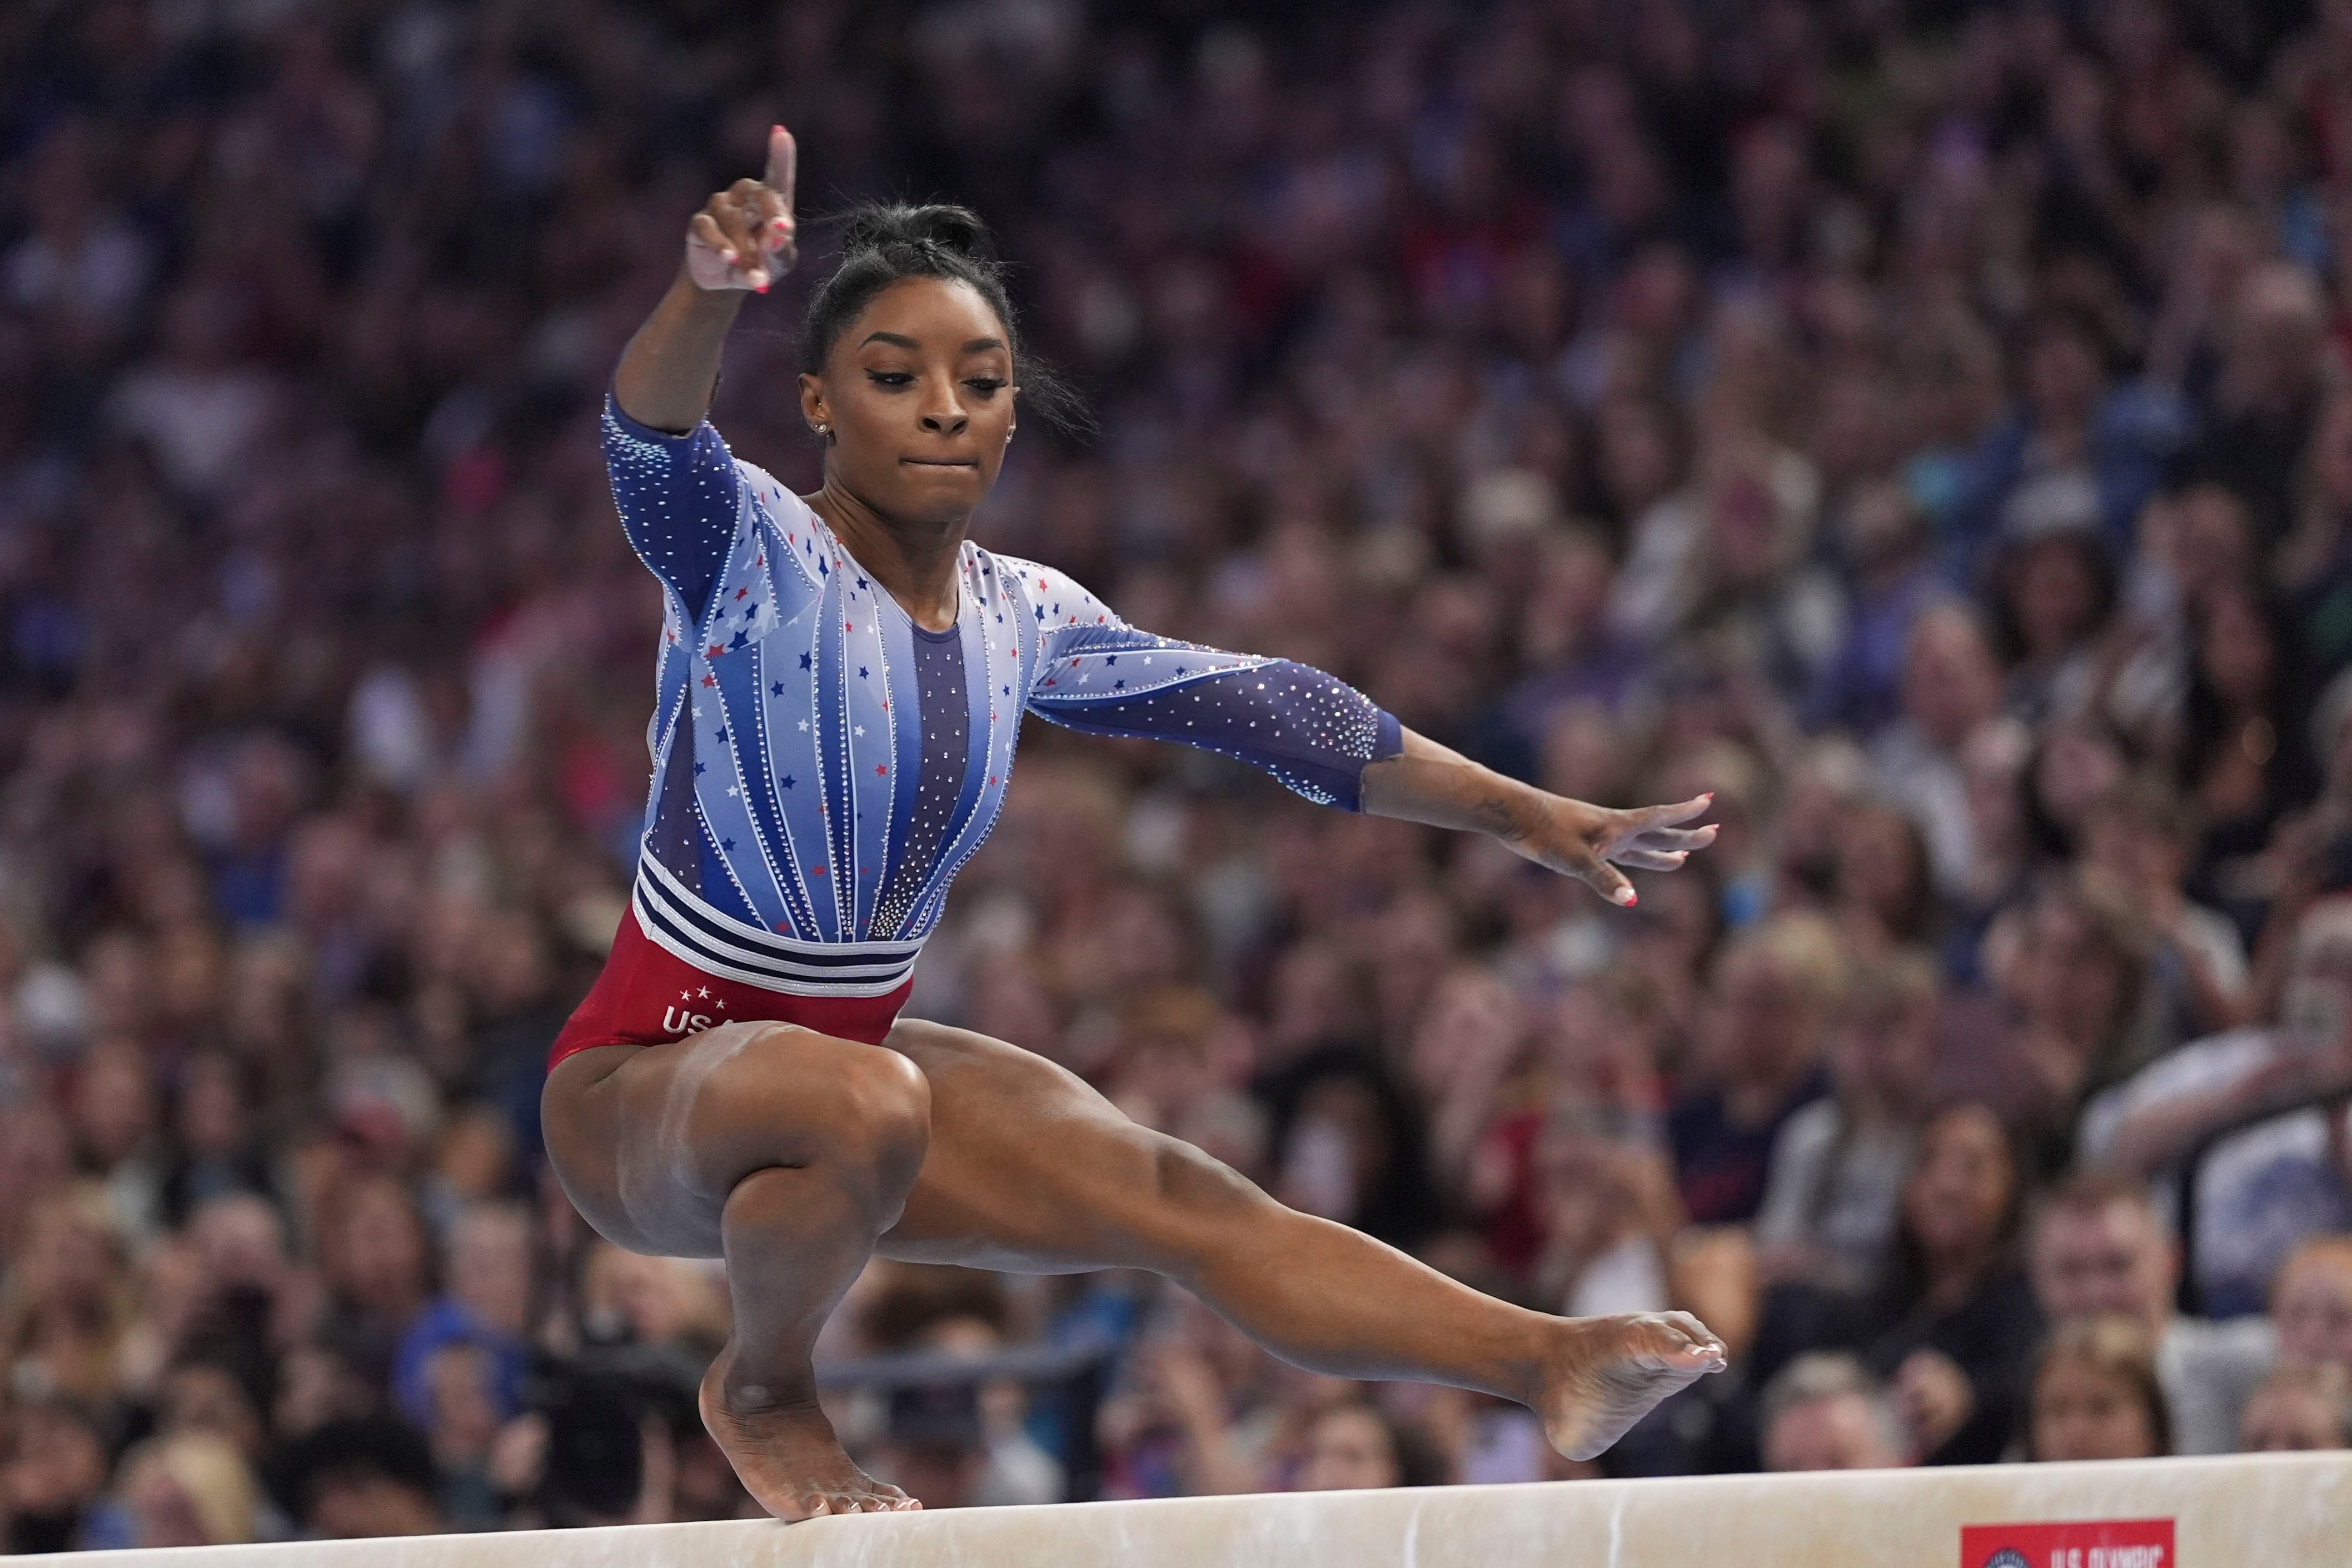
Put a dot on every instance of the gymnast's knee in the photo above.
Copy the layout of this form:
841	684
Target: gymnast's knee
877	1119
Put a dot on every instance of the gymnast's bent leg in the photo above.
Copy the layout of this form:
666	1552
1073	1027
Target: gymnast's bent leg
784	1150
1031	1170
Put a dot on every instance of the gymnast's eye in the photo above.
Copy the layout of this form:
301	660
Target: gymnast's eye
986	386
892	378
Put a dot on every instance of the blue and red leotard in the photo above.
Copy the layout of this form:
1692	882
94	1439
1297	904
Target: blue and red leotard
822	766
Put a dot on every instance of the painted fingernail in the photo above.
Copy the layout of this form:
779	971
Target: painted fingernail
727	257
1628	897
759	288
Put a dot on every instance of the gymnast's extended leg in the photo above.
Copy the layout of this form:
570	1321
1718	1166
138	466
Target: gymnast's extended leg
1030	1169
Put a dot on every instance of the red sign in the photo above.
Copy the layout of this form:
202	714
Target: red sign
2096	1543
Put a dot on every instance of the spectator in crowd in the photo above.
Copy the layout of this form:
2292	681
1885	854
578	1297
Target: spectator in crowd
363	1477
964	1314
2274	1180
486	1305
2266	393
56	1474
1886	542
2093	1394
933	1447
187	1490
1354	1444
2099	1247
2311	1304
2078	451
2249	700
2071	962
1824	1412
1951	689
1769	1002
1952	1319
2142	838
2297	1409
1829	1209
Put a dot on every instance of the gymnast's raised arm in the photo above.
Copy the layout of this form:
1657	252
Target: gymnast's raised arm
743	239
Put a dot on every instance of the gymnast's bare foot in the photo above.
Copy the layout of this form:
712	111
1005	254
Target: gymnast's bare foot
1600	1376
786	1455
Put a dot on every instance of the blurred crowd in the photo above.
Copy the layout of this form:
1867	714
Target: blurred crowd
1925	424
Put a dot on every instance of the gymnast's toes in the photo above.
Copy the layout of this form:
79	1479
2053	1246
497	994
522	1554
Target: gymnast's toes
1601	1375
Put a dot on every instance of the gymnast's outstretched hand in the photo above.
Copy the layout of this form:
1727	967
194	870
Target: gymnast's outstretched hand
1428	783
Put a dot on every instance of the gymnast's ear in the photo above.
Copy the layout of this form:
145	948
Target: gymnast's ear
812	406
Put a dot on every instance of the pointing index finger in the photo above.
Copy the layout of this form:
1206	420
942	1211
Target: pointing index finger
783	164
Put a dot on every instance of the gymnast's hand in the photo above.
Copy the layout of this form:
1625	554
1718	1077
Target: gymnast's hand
1590	843
744	236
1428	783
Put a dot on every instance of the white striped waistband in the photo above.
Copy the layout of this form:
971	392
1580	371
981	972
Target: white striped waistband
684	924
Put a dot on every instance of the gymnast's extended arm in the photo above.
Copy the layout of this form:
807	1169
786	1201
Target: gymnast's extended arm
1425	782
1322	738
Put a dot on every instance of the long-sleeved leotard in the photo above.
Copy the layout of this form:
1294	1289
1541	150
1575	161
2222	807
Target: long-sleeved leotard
823	767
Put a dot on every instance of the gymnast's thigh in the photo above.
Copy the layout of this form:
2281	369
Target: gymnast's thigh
1030	1170
649	1140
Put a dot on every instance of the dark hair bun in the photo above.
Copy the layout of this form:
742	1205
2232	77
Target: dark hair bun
884	243
957	231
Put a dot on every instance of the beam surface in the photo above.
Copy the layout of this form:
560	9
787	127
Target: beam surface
2278	1510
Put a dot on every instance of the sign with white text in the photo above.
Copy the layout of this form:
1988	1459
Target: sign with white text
2093	1544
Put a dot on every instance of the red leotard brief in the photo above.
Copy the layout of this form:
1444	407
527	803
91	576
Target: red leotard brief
649	996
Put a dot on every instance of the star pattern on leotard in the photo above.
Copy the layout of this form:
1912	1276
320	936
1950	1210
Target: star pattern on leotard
867	738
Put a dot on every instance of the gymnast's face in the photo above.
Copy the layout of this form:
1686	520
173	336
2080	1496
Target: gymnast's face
917	396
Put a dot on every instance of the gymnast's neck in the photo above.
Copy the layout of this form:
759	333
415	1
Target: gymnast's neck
914	559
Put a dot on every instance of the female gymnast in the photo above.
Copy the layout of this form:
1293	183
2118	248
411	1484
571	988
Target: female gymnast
841	680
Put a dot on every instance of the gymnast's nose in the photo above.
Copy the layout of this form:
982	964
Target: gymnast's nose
944	415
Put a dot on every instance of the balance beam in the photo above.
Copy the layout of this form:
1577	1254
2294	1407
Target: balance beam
2289	1510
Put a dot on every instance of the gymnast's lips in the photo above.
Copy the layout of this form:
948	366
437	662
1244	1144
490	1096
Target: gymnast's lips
942	461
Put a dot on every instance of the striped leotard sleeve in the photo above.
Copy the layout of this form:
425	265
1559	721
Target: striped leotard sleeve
1311	731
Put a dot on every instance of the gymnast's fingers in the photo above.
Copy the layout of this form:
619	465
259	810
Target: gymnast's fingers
1651	817
783	165
705	231
1684	839
743	213
1603	879
773	230
713	259
1651	859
